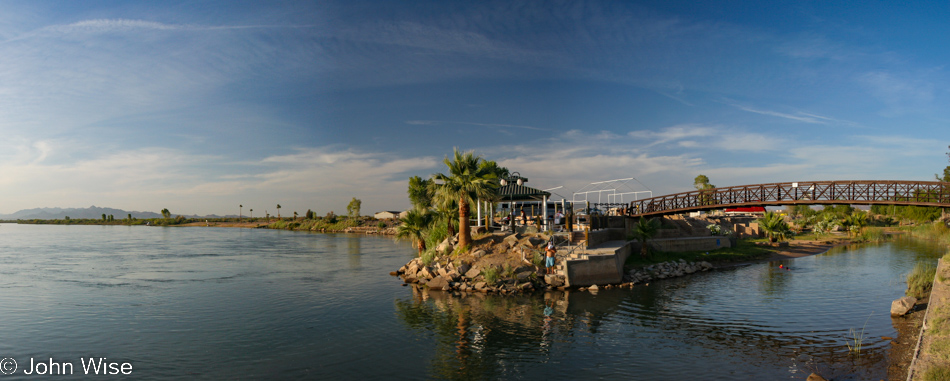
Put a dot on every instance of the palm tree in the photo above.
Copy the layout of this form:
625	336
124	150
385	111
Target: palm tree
420	192
278	211
644	230
295	215
855	222
166	213
774	226
446	211
466	182
252	213
239	210
413	227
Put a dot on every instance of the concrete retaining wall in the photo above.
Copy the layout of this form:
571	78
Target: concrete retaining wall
598	237
597	268
606	267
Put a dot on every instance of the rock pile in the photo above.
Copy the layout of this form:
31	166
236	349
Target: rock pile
665	270
466	278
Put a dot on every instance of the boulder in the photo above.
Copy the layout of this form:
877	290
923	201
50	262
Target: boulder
593	287
535	241
454	276
554	280
511	240
443	273
479	253
464	268
473	272
480	286
437	283
445	246
815	377
903	305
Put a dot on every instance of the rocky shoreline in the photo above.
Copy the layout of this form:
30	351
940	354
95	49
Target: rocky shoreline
465	278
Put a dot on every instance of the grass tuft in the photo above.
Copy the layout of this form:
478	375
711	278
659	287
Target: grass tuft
857	339
428	256
920	279
491	274
937	373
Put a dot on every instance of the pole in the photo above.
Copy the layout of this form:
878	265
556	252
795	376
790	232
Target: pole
544	211
479	223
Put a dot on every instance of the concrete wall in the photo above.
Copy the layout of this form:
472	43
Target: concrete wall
600	236
746	229
607	268
690	244
597	269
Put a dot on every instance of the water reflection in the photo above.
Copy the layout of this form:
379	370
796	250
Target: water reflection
784	319
477	332
354	250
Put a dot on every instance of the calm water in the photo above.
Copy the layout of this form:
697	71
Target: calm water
209	303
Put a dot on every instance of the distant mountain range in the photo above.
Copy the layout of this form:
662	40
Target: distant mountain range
90	212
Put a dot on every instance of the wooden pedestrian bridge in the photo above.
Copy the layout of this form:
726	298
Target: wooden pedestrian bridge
852	192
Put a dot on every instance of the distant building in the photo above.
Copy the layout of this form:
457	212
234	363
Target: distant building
389	214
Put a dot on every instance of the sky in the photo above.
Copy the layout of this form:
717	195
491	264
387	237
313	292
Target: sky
202	106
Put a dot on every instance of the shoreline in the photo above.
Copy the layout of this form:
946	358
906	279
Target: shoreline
795	249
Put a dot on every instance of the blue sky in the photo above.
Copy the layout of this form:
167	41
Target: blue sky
201	106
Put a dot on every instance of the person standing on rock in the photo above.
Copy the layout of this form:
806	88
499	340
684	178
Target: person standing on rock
549	260
524	218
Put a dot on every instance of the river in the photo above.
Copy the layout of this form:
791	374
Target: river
214	303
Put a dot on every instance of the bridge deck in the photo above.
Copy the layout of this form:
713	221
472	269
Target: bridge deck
858	192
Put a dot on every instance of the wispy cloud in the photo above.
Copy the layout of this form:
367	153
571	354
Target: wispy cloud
493	125
695	136
900	93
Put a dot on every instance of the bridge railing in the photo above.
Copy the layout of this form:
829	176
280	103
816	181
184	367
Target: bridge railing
921	193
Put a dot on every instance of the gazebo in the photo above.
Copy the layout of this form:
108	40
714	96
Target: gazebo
514	191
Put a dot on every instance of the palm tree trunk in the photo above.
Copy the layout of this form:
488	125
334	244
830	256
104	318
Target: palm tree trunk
465	234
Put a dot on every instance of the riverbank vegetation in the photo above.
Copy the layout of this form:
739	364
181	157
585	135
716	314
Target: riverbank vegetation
330	223
745	250
934	358
110	220
920	279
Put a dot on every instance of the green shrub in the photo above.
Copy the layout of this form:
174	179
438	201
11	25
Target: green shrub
537	258
920	279
490	274
509	271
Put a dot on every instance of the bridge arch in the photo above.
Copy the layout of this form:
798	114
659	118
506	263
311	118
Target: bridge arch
855	192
